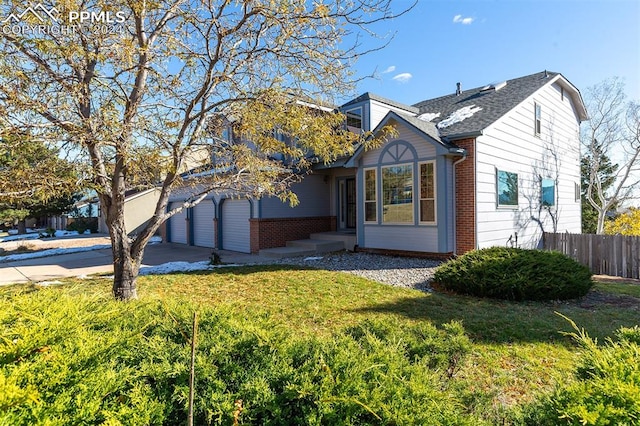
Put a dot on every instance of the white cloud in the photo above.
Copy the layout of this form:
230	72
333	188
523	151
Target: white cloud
392	68
403	77
458	19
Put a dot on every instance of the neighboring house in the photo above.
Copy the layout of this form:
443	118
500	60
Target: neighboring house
491	166
139	206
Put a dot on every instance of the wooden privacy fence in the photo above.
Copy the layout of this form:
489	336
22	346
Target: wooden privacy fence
616	255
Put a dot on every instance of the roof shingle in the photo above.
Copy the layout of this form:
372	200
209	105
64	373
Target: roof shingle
489	105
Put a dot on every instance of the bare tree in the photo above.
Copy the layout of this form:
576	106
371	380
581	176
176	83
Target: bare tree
137	95
613	132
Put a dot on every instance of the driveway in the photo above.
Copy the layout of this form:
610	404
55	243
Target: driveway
92	262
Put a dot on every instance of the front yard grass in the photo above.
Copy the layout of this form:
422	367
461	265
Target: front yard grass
518	349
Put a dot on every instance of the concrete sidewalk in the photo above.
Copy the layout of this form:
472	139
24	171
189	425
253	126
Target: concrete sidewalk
100	261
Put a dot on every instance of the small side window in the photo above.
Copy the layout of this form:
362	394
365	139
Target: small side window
354	120
370	196
548	197
507	184
538	120
428	192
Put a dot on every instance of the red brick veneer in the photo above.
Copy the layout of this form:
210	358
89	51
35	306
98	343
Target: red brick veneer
268	233
465	198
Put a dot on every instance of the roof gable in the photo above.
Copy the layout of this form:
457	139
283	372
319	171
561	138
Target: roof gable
473	110
424	128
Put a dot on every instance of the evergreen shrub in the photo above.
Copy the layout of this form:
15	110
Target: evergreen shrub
606	390
515	274
82	359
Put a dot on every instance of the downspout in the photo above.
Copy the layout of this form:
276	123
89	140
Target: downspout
455	163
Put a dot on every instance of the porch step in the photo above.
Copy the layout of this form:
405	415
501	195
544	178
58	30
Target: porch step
302	248
318	246
349	240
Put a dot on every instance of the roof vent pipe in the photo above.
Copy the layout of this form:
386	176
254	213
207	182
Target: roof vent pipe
546	74
458	89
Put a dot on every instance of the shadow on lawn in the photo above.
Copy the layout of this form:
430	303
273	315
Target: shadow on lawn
255	269
503	322
486	320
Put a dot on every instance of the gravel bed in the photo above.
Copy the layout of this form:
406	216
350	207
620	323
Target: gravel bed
397	271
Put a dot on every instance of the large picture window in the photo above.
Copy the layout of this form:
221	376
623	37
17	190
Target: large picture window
507	184
548	197
428	192
370	198
397	194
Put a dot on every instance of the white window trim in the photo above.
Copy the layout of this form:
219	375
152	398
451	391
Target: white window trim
555	193
506	206
413	192
364	195
361	109
537	131
577	194
435	193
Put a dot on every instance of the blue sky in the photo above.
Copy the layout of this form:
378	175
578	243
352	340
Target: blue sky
441	42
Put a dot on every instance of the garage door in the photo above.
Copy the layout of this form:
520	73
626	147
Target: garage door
178	226
203	232
235	225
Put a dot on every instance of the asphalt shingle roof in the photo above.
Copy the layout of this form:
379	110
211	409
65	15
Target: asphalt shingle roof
372	96
426	127
493	104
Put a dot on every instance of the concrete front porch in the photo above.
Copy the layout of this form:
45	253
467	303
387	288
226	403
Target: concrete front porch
321	242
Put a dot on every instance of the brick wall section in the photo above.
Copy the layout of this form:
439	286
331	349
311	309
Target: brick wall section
406	253
268	233
465	198
254	235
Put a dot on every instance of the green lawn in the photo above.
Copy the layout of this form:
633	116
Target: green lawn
518	350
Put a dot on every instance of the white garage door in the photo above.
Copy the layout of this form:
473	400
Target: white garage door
203	232
235	225
178	226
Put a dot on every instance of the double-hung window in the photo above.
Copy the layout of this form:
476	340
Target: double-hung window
507	185
538	119
370	196
354	120
428	192
548	196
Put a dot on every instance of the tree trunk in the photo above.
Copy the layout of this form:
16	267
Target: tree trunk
600	227
22	226
125	263
125	268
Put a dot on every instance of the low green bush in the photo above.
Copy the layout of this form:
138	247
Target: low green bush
82	224
606	390
515	274
89	360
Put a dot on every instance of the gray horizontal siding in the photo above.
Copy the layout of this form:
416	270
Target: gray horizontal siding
408	238
314	200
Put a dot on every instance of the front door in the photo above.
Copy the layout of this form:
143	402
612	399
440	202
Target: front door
348	203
